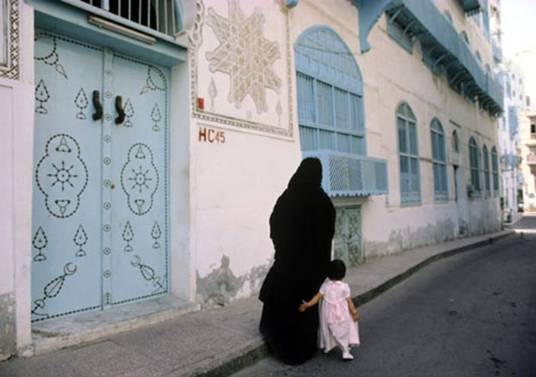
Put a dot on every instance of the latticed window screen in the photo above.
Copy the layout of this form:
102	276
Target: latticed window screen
474	163
410	190
495	169
485	157
439	161
329	94
158	15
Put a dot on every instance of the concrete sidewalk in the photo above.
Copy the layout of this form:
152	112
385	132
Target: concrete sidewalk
215	342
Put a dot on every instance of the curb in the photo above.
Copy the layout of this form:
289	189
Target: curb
250	355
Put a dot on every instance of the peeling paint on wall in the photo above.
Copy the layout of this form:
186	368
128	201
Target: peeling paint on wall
221	285
7	326
485	220
407	238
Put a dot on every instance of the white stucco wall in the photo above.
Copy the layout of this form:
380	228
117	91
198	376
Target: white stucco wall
237	175
236	183
16	133
392	75
230	160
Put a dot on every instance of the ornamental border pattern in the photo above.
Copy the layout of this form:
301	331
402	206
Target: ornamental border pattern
196	40
12	70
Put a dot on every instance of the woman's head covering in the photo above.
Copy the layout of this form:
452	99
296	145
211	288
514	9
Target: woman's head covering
308	175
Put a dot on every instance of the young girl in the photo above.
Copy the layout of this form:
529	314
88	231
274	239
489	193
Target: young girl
338	315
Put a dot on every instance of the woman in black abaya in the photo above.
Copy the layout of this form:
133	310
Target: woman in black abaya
302	225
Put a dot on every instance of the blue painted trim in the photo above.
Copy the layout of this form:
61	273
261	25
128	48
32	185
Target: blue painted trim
471	7
61	18
300	48
369	13
292	3
179	11
397	34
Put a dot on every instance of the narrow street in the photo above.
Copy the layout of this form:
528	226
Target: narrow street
469	315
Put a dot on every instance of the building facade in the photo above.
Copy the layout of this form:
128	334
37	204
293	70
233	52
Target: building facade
528	159
515	103
147	141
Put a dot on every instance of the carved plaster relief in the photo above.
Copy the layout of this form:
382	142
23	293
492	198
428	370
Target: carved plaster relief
244	54
245	45
9	62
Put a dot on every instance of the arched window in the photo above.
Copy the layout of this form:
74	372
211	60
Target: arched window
495	170
439	161
330	93
455	142
474	163
485	157
465	37
410	190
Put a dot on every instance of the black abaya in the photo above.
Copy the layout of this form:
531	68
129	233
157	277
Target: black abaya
302	225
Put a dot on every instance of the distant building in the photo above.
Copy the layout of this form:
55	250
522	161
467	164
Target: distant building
515	102
528	155
146	143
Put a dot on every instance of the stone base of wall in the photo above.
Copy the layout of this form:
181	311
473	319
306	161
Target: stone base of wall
7	326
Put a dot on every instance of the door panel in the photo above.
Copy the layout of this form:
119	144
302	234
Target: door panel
139	171
347	239
66	233
100	226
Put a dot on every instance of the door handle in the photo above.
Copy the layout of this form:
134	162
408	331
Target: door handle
97	105
119	109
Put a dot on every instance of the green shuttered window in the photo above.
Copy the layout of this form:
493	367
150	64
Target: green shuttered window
439	161
474	163
410	191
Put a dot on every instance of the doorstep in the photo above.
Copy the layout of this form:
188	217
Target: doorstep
87	327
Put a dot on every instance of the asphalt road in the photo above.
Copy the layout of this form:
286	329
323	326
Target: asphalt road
470	315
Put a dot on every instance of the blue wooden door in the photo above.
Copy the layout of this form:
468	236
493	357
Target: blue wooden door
66	231
347	239
100	182
138	172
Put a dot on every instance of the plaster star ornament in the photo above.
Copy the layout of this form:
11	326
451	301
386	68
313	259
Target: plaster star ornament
244	54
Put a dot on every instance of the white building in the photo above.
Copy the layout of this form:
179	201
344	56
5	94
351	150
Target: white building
515	102
527	129
145	144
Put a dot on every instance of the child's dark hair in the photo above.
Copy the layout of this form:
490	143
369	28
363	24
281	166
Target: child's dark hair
336	269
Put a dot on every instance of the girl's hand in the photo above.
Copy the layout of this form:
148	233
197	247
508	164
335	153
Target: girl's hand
303	307
355	316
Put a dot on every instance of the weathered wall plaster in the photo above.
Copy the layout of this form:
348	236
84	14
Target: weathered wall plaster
221	285
7	326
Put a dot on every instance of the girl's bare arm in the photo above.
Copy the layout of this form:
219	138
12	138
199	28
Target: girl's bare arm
310	303
353	309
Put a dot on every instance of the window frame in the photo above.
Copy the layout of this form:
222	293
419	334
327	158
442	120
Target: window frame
486	169
439	160
495	170
455	142
317	127
337	72
474	166
410	197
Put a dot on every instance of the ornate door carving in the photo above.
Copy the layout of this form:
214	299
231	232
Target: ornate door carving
100	182
139	168
347	240
66	234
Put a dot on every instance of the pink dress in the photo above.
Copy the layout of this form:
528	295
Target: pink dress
337	327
